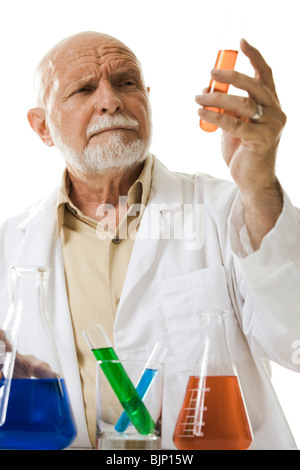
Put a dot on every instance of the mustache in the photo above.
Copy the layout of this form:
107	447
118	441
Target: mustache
117	120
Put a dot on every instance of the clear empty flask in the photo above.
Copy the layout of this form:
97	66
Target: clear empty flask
35	411
213	415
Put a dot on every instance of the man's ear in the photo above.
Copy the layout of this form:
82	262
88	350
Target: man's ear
37	121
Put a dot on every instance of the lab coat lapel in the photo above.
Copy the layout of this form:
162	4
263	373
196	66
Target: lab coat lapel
163	198
39	229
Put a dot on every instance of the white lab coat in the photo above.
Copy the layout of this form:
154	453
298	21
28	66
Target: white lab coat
170	280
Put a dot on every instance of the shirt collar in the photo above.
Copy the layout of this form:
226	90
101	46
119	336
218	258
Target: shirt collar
138	193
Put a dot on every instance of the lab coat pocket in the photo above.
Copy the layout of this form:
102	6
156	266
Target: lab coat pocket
183	298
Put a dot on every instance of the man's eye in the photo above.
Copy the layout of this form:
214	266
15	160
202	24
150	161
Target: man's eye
84	89
128	83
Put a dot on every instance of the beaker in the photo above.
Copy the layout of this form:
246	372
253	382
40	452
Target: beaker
119	380
129	395
213	415
109	435
35	410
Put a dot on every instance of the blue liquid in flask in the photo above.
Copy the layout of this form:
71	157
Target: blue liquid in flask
38	416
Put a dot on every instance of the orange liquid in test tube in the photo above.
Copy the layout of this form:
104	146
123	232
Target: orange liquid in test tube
226	61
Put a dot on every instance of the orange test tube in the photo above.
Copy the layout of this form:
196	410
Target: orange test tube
226	61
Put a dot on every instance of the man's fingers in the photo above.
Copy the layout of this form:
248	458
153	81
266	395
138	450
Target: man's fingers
5	341
236	127
27	366
262	70
260	133
240	106
255	88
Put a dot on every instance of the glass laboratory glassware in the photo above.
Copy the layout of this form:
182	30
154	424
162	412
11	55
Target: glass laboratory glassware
119	379
35	410
109	432
213	415
129	395
150	370
226	60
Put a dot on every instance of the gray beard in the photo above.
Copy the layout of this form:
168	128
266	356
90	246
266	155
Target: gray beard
97	159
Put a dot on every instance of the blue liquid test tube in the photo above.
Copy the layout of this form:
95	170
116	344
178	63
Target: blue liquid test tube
120	382
146	379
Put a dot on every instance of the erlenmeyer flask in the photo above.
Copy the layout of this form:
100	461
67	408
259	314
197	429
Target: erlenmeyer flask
213	415
35	411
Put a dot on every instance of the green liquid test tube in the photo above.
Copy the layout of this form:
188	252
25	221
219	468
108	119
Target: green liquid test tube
119	380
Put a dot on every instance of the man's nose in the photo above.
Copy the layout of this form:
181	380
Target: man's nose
108	100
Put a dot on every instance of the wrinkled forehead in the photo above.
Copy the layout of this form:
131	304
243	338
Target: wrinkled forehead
78	57
104	52
107	60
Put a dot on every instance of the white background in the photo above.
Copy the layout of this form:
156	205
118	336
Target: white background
176	41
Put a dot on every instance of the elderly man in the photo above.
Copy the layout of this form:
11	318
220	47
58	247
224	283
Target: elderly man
108	231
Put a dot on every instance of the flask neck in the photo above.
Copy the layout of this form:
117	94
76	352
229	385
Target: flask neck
212	325
213	356
29	286
28	301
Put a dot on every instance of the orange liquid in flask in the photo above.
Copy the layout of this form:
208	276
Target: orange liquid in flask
226	61
213	416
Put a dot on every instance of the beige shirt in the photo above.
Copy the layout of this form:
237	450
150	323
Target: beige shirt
96	262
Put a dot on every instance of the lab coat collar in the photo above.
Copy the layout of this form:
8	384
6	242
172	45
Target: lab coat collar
39	210
164	197
40	227
164	193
